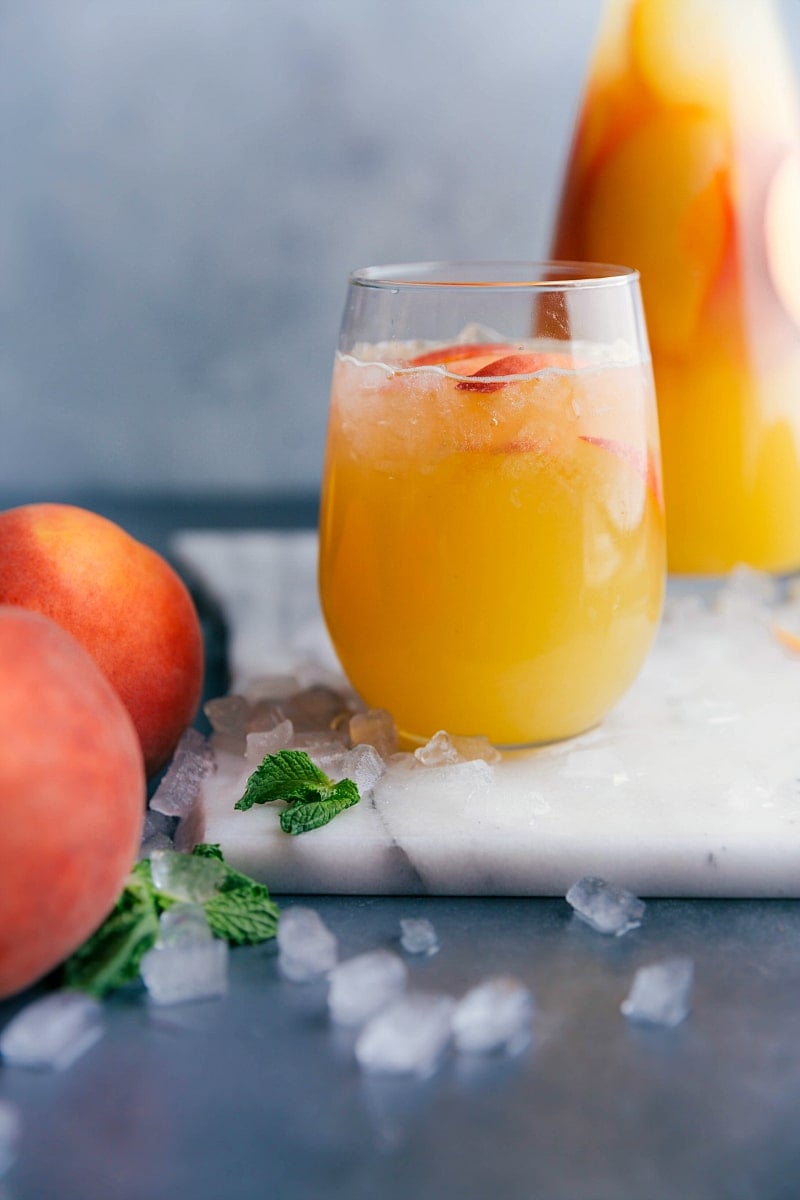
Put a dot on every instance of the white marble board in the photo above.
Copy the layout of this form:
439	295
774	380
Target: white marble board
689	788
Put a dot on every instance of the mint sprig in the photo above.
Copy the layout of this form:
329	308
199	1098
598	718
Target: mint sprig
312	797
241	912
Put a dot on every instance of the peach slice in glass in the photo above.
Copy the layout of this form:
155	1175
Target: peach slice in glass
488	378
460	351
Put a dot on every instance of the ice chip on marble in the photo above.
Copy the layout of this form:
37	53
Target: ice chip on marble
444	750
661	993
157	833
314	708
262	742
604	906
183	925
53	1032
178	790
418	936
361	986
306	947
227	714
10	1135
494	1015
377	728
408	1037
187	877
362	764
181	972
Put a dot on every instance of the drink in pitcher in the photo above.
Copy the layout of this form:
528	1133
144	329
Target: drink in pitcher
491	532
686	165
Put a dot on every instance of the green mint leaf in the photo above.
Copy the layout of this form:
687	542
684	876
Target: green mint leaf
288	775
241	912
111	956
208	850
242	916
306	815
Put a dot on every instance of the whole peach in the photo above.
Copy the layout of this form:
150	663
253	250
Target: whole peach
72	796
122	601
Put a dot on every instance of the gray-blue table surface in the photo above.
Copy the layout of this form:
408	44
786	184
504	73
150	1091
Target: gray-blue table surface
256	1095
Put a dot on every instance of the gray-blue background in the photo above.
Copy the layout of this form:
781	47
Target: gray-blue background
185	184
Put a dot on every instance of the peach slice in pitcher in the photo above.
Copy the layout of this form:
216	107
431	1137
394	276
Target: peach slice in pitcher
782	233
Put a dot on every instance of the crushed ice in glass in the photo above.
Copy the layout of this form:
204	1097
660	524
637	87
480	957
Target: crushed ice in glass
494	1015
179	972
444	750
606	907
661	993
361	986
377	728
418	936
181	784
408	1037
53	1032
10	1134
306	947
187	877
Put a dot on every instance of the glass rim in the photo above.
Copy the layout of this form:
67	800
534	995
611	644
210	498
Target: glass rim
500	275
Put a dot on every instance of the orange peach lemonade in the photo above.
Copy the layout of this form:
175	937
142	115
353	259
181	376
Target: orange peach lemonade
686	165
491	535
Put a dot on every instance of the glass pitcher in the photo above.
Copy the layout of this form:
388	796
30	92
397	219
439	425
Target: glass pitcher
686	165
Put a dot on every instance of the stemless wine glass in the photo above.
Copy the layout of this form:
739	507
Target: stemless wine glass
491	534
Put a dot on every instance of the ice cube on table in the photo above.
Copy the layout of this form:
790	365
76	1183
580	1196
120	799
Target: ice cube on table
181	972
262	742
606	907
408	1036
661	993
306	947
178	790
377	728
445	749
189	877
157	833
10	1134
361	986
183	925
494	1015
418	936
53	1032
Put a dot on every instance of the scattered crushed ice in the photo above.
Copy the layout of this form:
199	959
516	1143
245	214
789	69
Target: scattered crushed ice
179	971
262	742
408	1037
306	947
53	1032
661	993
607	908
187	877
227	714
377	728
361	986
418	936
157	833
10	1135
362	764
181	784
444	750
314	708
183	925
494	1015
